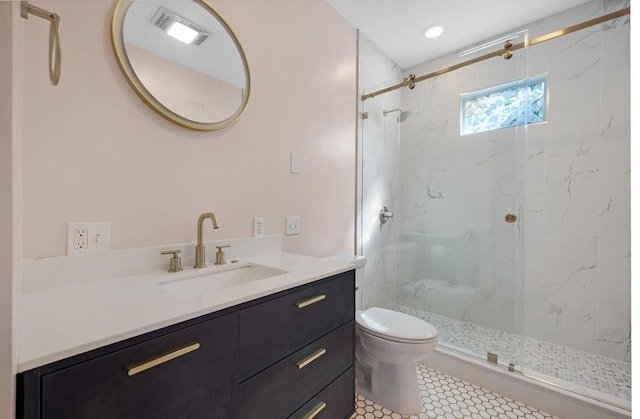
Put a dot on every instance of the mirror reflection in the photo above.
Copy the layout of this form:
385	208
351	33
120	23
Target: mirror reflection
183	60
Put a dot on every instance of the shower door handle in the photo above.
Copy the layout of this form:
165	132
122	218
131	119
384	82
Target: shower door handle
385	214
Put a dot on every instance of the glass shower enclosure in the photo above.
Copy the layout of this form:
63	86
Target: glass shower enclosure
451	252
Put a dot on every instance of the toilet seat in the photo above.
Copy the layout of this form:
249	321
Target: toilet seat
395	326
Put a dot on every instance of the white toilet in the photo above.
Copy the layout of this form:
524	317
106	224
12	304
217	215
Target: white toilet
388	345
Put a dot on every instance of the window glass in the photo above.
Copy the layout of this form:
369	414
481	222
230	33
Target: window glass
504	106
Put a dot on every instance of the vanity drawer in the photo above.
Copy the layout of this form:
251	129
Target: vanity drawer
335	401
195	377
287	385
274	329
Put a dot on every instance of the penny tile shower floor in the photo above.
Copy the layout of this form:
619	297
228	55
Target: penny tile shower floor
577	368
447	397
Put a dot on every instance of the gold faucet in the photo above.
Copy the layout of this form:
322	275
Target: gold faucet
200	260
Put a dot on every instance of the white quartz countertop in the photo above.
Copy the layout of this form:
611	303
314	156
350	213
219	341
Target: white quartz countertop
61	322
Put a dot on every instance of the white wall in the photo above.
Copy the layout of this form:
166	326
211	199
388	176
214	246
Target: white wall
94	152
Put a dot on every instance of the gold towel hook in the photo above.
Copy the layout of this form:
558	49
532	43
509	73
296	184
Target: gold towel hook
55	55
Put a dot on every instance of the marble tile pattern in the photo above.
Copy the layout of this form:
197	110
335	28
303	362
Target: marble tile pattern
379	172
583	370
561	273
444	396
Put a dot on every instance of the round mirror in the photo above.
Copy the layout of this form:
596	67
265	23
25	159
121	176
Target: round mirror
183	60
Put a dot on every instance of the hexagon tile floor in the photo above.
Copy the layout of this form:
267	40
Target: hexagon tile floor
447	397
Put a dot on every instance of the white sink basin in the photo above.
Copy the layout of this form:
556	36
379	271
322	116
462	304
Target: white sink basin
192	283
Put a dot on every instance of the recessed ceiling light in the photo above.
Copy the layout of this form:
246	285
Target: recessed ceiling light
178	27
433	31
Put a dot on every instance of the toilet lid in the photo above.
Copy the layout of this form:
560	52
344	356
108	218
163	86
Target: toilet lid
396	326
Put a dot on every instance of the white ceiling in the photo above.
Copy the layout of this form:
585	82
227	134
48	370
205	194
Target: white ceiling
396	26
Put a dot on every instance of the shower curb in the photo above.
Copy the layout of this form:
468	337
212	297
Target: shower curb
549	398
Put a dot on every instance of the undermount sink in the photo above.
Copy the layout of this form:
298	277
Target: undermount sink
189	284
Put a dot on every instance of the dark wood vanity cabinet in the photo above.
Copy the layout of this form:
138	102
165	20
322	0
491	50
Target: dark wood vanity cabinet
197	380
274	329
284	355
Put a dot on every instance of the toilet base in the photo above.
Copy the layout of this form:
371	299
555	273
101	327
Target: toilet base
392	386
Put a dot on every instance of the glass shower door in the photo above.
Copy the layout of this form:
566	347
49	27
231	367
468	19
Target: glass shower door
452	174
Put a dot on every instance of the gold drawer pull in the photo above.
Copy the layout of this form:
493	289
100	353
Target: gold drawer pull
313	300
308	360
162	359
314	412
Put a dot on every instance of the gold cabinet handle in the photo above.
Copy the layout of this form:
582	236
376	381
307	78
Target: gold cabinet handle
313	300
308	360
162	359
314	412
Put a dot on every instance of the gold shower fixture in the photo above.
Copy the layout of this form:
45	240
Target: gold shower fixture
511	218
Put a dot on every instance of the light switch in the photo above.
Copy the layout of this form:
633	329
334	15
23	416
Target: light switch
296	162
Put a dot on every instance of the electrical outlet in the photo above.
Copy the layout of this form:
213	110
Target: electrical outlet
87	238
258	226
80	239
292	225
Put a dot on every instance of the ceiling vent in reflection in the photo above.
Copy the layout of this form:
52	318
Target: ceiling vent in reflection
178	27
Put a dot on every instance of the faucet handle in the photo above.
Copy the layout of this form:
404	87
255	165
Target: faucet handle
220	254
175	263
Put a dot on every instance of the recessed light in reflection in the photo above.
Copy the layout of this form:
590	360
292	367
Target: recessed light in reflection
182	32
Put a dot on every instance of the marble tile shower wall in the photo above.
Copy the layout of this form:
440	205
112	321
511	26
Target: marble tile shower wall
575	191
379	172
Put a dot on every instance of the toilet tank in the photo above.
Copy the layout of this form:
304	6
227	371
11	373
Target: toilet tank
360	263
400	261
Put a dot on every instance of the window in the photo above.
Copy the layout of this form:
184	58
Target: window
503	106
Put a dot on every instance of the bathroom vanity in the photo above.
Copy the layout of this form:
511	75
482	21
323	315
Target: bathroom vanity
284	354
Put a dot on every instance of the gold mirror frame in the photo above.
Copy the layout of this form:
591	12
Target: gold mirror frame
117	42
